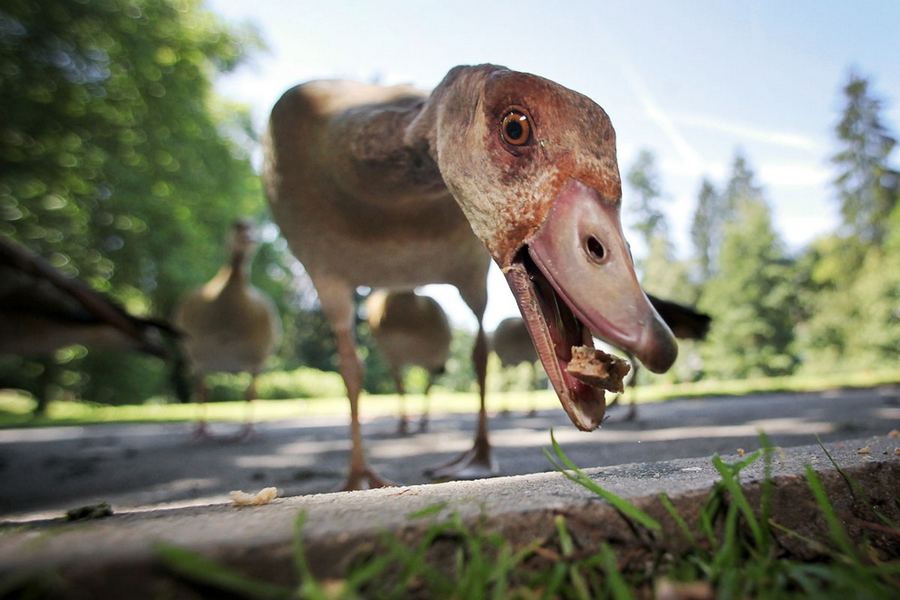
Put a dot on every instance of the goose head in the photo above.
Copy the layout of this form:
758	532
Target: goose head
533	166
241	242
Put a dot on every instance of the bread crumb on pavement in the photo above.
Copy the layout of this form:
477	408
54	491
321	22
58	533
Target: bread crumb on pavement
864	450
263	496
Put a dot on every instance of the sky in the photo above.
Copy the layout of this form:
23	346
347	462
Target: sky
691	81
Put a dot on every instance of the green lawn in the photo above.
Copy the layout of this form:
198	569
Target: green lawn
15	408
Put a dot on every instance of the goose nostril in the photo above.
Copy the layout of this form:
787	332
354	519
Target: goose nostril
595	250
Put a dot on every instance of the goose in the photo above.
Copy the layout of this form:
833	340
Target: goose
387	186
685	322
229	325
42	310
513	346
409	330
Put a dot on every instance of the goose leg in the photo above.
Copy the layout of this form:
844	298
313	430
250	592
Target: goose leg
403	423
201	429
337	304
249	396
423	420
632	385
532	412
631	415
45	386
477	462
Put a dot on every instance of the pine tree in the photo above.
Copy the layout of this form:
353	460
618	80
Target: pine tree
867	187
851	288
706	230
647	218
751	296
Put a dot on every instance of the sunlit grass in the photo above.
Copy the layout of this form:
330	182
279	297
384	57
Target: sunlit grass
15	408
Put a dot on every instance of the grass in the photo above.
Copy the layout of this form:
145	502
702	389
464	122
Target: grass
15	409
736	553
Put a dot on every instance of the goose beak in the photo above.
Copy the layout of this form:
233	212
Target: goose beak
575	280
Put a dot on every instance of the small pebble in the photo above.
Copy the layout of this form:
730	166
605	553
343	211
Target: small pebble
92	511
741	452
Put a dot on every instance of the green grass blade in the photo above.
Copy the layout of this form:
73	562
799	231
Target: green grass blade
309	587
616	584
767	489
205	571
729	480
565	539
855	489
427	511
726	557
856	492
813	544
579	585
623	506
679	520
835	529
557	575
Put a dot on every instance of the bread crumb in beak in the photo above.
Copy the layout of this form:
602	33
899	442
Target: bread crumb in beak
263	496
597	368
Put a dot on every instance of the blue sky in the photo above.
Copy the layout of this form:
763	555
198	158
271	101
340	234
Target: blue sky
691	81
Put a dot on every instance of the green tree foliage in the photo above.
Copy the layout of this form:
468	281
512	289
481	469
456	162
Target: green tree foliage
664	274
111	155
706	230
661	271
851	292
644	207
750	297
114	161
867	187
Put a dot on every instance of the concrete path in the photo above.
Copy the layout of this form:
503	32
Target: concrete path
48	470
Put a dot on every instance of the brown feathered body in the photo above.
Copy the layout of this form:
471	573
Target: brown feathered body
357	205
229	325
410	330
512	343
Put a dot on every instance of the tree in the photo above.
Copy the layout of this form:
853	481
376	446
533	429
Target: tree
113	159
659	266
867	186
851	287
643	178
706	230
750	297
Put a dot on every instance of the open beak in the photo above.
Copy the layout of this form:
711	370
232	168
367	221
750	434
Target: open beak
574	280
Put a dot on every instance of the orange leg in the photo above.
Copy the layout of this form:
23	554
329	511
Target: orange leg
403	423
477	462
532	393
201	429
337	304
423	420
247	429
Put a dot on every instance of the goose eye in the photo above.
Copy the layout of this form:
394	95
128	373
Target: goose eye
515	128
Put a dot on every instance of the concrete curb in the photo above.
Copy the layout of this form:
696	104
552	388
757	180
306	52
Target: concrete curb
115	555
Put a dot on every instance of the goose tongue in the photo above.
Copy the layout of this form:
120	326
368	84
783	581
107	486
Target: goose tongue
569	290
